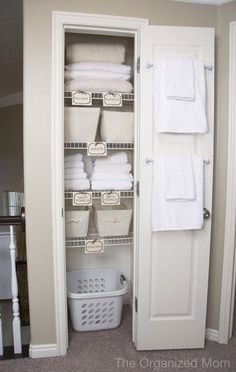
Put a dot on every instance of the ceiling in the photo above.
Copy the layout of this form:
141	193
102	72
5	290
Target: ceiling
209	2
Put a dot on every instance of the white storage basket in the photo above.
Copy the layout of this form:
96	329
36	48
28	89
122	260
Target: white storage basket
77	223
112	220
95	298
81	123
117	126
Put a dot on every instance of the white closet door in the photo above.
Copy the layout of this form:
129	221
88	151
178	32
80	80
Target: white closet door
172	267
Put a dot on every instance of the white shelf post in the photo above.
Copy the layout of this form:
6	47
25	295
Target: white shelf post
1	339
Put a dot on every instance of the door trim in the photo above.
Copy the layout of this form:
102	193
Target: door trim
60	21
229	264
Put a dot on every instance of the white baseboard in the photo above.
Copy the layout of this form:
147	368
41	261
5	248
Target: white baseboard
43	351
212	334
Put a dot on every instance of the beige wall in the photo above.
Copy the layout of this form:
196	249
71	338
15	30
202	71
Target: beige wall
37	137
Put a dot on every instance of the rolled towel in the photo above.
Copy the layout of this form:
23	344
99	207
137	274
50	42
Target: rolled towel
72	75
112	177
95	52
77	184
111	185
111	168
99	85
99	66
116	158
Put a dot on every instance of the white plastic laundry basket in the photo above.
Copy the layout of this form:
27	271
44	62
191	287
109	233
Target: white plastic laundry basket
117	126
95	298
81	123
77	223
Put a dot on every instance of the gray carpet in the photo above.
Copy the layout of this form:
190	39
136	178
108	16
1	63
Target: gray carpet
97	352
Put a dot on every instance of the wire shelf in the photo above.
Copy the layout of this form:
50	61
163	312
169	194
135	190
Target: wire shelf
97	194
127	98
108	240
71	145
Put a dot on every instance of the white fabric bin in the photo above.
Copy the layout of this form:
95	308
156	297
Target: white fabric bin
81	123
77	223
112	220
95	298
117	126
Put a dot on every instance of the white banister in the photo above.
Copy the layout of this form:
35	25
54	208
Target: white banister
1	339
16	325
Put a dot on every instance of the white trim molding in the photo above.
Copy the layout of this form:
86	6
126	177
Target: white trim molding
11	100
43	351
228	276
206	2
212	334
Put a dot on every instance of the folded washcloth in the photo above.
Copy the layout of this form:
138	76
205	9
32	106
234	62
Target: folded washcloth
178	178
112	176
95	74
111	168
74	157
95	52
77	184
100	66
180	116
111	185
116	158
172	214
99	85
179	78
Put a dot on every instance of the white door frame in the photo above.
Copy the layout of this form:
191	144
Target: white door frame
229	264
60	22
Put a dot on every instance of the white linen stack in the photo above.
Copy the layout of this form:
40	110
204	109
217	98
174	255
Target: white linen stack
75	176
112	173
97	68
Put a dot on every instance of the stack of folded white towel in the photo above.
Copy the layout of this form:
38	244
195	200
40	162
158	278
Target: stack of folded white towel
112	173
75	176
97	68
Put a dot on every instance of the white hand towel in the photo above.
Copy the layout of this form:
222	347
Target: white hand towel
178	178
111	185
179	78
99	85
116	158
111	168
176	215
77	184
99	66
112	177
95	52
96	74
179	116
74	157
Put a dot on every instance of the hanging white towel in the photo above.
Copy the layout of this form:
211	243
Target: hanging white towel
111	185
172	214
178	178
116	158
180	116
179	78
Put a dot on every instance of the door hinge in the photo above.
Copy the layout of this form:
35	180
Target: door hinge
138	65
62	212
137	188
136	304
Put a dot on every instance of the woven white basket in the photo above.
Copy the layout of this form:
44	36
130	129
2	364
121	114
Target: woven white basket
112	220
117	126
76	223
81	123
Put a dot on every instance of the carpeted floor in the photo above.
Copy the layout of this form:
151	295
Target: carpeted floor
99	352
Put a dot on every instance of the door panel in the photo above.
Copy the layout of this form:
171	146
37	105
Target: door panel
173	266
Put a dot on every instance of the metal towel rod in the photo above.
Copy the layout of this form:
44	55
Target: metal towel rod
14	220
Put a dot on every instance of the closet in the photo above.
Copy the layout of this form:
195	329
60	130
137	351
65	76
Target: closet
166	271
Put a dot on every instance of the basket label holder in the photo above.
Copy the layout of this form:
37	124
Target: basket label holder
94	246
97	149
81	98
112	99
110	197
82	198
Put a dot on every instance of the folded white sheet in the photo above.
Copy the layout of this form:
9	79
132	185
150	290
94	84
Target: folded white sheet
116	158
99	85
111	185
180	116
172	214
179	78
94	74
74	157
100	66
112	177
111	168
178	178
77	184
97	52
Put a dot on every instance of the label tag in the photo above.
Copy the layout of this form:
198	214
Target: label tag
110	198
82	198
97	149
94	246
112	99
82	98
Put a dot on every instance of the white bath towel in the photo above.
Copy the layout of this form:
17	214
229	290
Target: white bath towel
180	116
111	185
178	178
116	158
112	177
99	85
172	214
77	184
95	52
75	175
74	157
179	78
94	74
111	168
99	66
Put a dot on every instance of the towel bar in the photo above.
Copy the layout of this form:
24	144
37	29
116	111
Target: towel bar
150	160
208	67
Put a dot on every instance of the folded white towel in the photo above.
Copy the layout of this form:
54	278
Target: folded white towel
77	184
111	168
75	175
116	158
176	215
100	66
180	116
94	74
97	52
178	178
112	176
179	78
111	185
74	157
99	85
73	170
